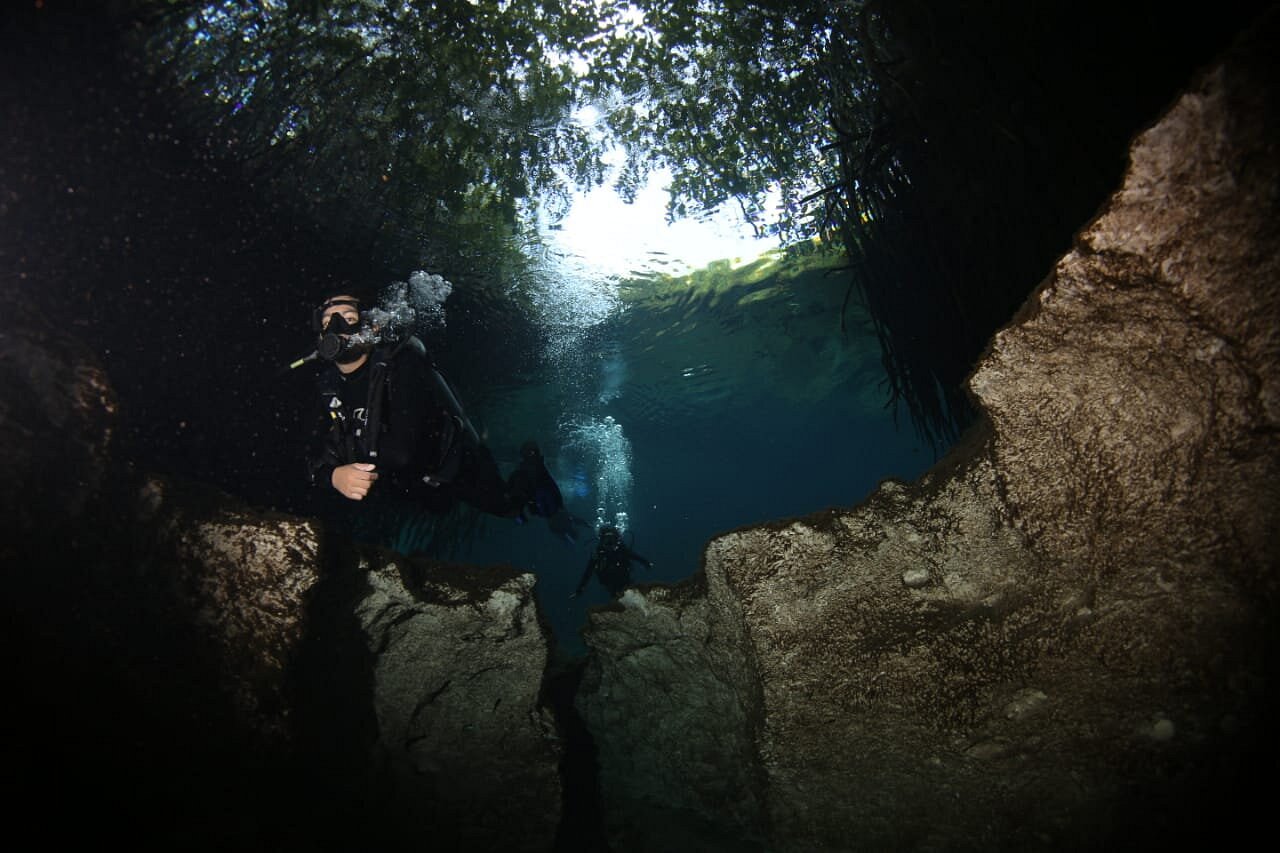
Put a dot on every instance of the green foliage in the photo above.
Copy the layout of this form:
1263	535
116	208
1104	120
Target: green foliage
421	131
731	96
933	141
403	121
973	138
928	140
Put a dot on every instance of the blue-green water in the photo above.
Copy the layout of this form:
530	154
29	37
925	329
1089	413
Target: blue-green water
681	419
691	482
739	405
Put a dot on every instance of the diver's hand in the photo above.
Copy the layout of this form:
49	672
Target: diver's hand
354	480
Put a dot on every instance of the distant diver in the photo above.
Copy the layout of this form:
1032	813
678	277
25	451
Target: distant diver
389	419
533	478
611	563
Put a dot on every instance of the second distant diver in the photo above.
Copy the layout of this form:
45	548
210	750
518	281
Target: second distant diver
611	563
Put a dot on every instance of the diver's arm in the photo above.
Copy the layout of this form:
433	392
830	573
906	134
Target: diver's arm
319	471
355	480
352	480
641	560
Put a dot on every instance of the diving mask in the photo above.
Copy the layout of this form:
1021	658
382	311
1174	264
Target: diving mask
340	340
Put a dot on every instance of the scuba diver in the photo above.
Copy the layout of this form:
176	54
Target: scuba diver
611	563
392	427
533	478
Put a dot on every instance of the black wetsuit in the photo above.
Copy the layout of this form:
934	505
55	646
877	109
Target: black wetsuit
425	451
611	564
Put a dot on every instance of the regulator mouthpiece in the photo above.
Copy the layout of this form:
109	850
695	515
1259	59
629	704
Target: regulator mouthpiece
343	341
331	346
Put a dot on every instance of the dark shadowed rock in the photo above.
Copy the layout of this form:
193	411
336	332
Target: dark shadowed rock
1061	638
672	702
458	658
239	581
57	417
188	670
418	679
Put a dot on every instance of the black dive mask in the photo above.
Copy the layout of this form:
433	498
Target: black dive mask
336	342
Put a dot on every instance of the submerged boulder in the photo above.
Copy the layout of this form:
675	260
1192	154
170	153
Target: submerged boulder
236	584
194	671
58	416
1059	638
404	695
458	656
671	700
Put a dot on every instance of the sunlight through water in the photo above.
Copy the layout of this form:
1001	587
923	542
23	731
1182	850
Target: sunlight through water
601	242
602	235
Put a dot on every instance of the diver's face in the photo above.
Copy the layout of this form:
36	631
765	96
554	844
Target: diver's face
346	312
338	342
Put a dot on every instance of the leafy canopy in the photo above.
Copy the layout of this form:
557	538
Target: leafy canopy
407	120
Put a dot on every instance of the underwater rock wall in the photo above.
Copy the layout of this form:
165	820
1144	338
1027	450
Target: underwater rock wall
671	700
458	658
237	583
1061	637
412	688
1139	396
190	671
58	411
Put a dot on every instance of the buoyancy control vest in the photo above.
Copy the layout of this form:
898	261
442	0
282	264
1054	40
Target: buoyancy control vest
362	436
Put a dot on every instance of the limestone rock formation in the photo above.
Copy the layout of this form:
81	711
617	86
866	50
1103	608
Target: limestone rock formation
223	676
439	669
672	703
458	660
1058	639
241	581
58	410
